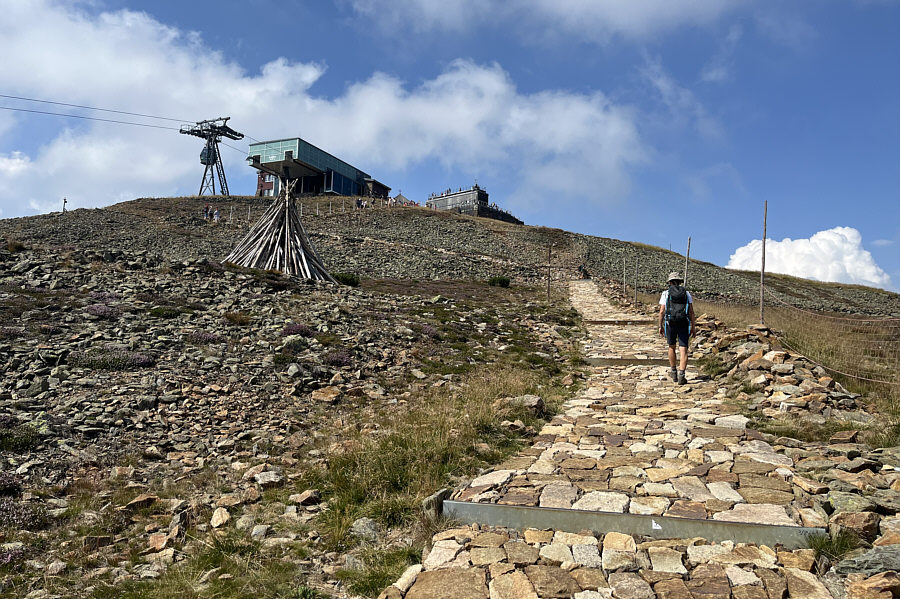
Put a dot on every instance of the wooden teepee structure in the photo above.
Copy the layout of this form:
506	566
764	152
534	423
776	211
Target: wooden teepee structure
278	241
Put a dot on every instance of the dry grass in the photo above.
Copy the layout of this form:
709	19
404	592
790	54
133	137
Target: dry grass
734	315
866	349
441	436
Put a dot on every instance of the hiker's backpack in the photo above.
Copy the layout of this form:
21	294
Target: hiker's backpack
677	305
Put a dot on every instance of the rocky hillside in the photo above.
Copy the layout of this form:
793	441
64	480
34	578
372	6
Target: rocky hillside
416	243
172	426
147	402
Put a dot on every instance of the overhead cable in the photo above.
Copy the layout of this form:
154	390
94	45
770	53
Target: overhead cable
89	118
93	118
149	116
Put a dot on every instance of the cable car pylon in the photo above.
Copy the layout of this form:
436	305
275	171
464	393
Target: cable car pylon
212	131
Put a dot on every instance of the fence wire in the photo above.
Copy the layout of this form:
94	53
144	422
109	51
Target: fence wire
863	349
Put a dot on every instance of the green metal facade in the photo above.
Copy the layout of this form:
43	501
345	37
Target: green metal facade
339	177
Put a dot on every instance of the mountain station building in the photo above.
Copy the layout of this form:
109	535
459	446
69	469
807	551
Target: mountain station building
472	201
316	171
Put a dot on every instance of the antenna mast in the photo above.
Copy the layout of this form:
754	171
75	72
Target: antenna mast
212	131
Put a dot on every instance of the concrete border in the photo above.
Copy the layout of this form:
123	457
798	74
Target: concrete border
659	527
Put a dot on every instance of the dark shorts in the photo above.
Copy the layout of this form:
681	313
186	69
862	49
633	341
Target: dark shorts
681	331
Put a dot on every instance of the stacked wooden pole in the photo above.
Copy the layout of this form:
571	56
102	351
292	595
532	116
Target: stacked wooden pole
278	241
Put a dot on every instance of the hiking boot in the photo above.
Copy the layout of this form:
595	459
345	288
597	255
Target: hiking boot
674	374
681	379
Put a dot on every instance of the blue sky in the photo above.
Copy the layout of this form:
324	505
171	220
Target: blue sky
644	120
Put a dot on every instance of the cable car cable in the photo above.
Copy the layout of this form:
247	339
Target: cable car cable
89	118
149	116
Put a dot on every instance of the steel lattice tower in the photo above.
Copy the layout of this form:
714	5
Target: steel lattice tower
212	130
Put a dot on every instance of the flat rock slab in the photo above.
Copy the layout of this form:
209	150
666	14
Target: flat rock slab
628	585
514	585
450	583
805	584
560	496
757	513
602	501
550	582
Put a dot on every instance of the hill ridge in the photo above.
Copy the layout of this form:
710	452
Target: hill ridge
412	242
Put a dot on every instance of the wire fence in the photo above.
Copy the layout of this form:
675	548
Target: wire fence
863	349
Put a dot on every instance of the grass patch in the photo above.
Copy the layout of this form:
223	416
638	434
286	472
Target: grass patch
885	436
241	571
420	449
498	281
712	365
240	319
164	312
346	278
381	569
305	592
793	427
327	339
16	436
15	246
835	546
273	279
284	358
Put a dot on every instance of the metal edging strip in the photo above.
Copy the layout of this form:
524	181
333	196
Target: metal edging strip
659	527
627	361
618	322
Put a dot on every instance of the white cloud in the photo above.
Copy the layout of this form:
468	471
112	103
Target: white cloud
715	180
586	19
720	67
785	28
833	255
883	243
682	106
468	116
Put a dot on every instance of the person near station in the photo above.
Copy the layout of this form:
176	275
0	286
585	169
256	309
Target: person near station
676	323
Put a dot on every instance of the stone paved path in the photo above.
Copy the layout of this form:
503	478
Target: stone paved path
632	441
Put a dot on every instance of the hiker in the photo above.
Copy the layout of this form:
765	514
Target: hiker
216	216
676	321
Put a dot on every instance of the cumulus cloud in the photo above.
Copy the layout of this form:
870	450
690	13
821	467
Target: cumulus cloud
586	19
834	255
470	115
